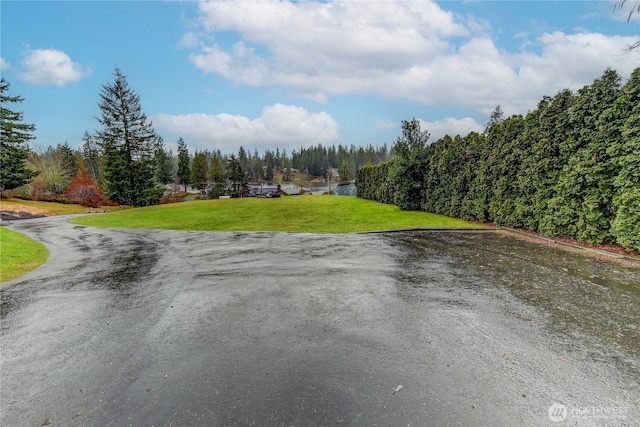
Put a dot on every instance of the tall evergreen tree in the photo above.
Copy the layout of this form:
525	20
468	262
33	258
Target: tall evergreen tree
269	173
287	170
236	176
345	170
164	166
184	163
13	143
129	144
217	177
411	165
199	171
69	159
496	117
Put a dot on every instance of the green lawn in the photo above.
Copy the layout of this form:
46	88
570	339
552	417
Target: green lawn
317	214
19	254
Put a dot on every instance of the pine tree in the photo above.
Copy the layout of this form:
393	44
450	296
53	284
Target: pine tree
217	177
496	117
199	171
287	170
345	170
236	176
13	143
164	166
269	173
411	166
184	163
129	144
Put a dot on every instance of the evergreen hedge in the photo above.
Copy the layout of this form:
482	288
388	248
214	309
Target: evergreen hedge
570	168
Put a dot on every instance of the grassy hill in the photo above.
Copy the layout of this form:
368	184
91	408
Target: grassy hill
316	214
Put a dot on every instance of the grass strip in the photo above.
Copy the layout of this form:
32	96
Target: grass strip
315	214
19	254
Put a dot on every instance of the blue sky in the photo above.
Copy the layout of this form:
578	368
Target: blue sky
259	74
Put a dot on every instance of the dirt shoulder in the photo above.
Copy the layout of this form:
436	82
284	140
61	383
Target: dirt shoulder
11	212
609	251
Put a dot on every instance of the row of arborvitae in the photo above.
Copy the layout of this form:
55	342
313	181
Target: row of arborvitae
570	168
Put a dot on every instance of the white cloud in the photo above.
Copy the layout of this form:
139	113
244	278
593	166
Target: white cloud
4	65
285	126
190	40
396	49
312	46
450	126
51	67
384	124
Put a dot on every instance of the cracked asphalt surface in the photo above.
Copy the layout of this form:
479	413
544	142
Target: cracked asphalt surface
147	327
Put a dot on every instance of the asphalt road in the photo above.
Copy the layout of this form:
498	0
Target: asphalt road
135	327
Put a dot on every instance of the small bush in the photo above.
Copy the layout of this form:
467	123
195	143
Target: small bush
172	198
85	191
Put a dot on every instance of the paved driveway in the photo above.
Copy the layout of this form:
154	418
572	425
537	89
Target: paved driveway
140	327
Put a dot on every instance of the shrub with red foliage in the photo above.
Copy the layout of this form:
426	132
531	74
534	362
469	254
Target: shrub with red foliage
85	191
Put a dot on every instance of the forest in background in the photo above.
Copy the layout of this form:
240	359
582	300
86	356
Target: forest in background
569	168
126	162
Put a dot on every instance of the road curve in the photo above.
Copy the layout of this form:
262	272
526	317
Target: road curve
139	327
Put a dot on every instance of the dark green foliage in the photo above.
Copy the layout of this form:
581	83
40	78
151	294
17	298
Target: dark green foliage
318	159
269	173
374	182
345	170
410	166
626	157
237	178
502	165
287	170
199	171
164	166
13	143
184	163
570	168
496	117
217	177
69	159
128	144
581	206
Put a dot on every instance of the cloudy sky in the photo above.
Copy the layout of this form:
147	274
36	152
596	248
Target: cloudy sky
291	74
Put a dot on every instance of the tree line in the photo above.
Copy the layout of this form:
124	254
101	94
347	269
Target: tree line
126	162
569	168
